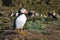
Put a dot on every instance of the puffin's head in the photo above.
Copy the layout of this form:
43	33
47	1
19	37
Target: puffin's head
24	11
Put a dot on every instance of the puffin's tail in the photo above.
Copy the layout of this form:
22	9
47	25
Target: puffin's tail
14	24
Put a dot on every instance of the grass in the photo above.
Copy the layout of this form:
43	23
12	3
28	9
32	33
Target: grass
36	26
39	7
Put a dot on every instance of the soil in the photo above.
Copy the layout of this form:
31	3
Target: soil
13	35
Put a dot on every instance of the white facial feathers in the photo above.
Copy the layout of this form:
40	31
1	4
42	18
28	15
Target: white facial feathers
23	10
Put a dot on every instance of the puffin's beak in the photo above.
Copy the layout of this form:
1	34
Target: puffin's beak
29	14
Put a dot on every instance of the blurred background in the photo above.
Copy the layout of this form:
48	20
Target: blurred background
46	19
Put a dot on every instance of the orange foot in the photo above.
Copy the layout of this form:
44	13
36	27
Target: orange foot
21	32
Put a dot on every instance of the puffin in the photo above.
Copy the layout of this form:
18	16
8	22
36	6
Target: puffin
21	19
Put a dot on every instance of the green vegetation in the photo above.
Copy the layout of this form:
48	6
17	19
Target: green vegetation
39	6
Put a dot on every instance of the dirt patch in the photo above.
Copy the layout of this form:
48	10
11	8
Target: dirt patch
13	35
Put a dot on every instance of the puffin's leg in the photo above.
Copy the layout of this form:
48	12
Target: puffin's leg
21	32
